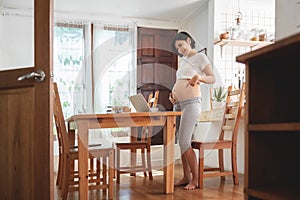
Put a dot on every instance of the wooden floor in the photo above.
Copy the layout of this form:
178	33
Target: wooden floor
137	188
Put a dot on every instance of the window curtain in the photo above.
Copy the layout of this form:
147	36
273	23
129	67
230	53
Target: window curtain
83	96
114	65
68	62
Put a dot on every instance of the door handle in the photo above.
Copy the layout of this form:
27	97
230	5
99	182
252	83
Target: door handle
39	76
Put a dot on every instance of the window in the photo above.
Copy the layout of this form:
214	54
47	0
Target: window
68	55
90	80
114	66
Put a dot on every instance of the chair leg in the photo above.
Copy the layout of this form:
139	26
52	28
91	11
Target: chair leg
118	165
221	162
133	154
59	172
104	170
149	163
111	166
98	171
234	165
66	177
92	167
143	161
201	167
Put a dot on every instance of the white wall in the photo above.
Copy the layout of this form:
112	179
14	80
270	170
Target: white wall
200	26
287	18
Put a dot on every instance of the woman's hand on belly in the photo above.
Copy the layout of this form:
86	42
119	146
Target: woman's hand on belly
194	80
172	98
184	90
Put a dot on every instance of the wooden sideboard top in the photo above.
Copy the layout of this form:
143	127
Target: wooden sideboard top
277	45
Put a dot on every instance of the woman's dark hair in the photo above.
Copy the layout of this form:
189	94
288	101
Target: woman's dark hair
182	36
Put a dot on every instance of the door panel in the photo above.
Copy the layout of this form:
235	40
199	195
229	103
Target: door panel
26	152
18	168
164	74
156	62
165	42
148	68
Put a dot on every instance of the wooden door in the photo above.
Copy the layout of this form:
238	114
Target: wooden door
26	154
156	67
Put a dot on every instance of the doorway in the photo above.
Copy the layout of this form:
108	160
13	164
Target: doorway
156	68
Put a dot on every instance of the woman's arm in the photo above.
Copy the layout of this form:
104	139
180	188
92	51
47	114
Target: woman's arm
208	77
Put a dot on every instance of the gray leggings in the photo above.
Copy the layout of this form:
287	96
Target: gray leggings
191	110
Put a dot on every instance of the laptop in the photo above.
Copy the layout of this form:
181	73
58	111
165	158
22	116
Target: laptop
139	103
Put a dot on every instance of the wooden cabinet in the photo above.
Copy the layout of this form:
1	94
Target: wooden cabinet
272	120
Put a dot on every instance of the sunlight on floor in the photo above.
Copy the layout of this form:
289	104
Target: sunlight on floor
141	174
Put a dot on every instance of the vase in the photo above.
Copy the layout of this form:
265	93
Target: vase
218	105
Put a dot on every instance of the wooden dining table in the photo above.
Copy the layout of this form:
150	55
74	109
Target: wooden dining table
84	122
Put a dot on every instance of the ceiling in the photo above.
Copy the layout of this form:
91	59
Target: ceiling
166	10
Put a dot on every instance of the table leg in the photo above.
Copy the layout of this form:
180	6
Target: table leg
133	138
83	155
169	142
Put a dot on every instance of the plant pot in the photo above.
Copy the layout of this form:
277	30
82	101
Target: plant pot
218	105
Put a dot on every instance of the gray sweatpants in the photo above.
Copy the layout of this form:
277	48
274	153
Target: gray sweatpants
191	110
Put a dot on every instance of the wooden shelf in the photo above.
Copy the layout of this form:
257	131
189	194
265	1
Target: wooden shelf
245	43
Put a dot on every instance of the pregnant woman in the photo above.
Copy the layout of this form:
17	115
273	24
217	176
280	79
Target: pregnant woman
194	69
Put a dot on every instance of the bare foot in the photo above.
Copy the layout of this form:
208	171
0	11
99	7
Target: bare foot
191	186
182	182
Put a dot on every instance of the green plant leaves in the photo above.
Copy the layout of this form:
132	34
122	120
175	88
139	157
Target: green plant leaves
219	94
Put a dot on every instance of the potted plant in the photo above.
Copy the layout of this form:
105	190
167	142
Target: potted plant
218	97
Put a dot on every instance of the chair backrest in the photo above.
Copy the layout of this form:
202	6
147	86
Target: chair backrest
152	100
147	131
60	122
234	104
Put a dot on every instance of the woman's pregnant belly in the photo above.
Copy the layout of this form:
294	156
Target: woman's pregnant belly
182	90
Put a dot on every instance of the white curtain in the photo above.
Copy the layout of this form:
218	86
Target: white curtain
114	65
68	66
83	98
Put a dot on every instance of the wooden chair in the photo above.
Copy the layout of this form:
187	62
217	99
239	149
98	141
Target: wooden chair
234	103
67	178
144	144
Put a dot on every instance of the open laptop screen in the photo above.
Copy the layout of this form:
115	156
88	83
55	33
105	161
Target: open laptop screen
139	103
